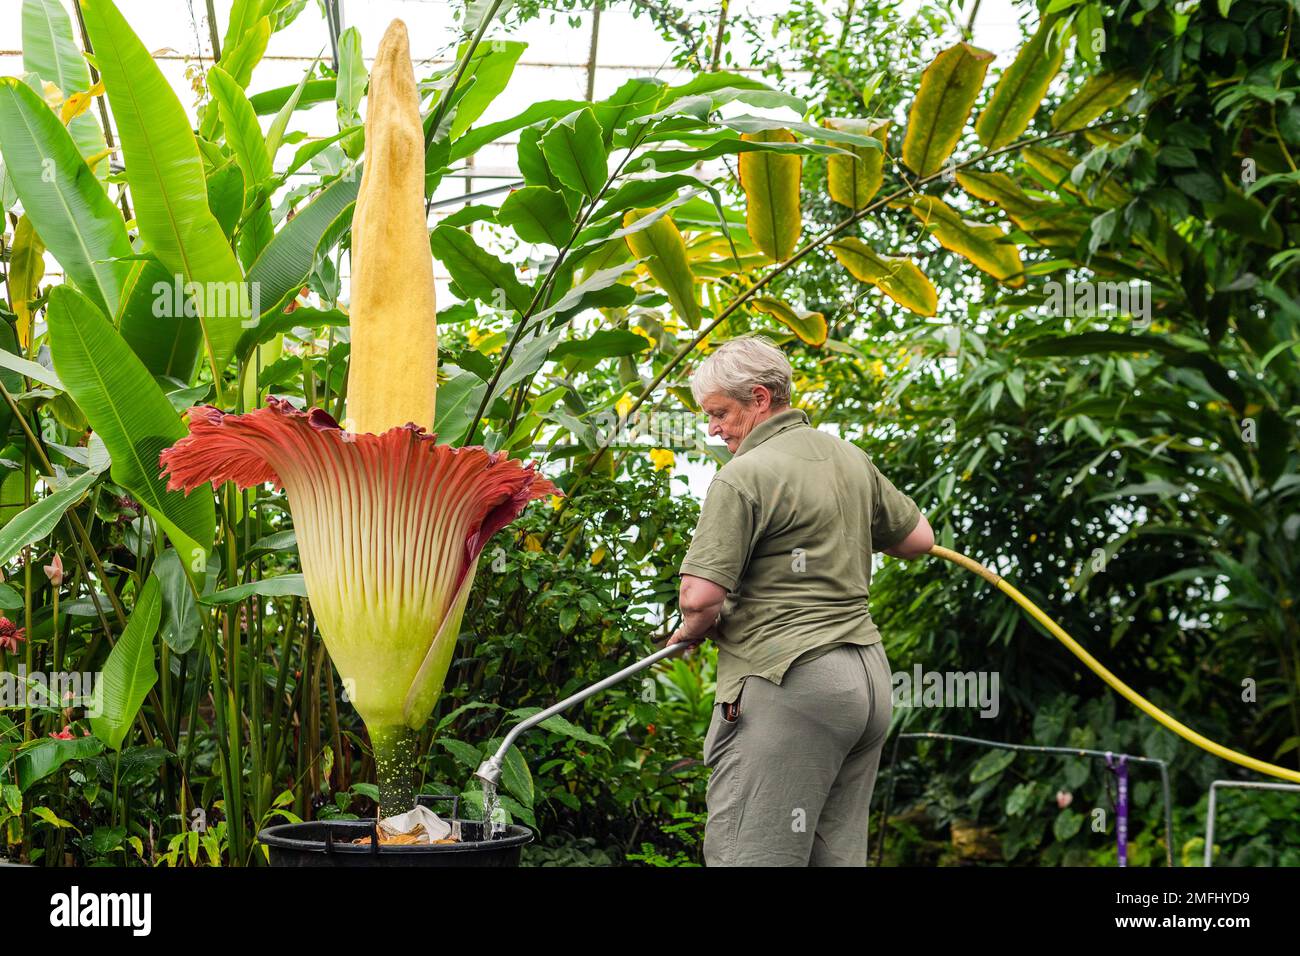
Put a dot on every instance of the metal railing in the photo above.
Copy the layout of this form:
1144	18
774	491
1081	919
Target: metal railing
1069	751
1237	784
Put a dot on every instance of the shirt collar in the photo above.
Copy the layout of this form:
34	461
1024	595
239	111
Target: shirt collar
781	421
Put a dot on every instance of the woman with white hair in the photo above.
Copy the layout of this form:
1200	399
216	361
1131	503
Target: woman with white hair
777	574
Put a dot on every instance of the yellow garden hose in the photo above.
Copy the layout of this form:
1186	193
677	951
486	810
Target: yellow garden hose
1182	730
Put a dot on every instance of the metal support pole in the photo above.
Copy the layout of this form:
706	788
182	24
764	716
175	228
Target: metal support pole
1240	785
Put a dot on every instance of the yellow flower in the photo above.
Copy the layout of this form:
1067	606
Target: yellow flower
878	368
623	406
598	555
475	337
671	327
662	458
556	502
645	335
1033	538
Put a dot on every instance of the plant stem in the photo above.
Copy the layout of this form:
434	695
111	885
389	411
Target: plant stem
395	749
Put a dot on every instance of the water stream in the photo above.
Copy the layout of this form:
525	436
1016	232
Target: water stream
489	809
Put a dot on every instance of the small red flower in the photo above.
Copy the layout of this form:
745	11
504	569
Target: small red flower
64	734
10	635
650	728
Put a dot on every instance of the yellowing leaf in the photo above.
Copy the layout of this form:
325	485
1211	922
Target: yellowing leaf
1016	97
810	327
49	816
949	86
982	245
1056	165
771	183
661	245
1099	94
898	278
853	180
77	103
26	269
1045	223
1001	189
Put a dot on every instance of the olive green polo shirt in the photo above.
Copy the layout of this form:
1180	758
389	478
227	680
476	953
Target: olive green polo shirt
788	527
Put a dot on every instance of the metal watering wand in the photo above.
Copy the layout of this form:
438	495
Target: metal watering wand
490	770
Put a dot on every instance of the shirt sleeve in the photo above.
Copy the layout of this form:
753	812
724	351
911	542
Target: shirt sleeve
894	515
724	536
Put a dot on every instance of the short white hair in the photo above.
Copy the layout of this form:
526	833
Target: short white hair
738	364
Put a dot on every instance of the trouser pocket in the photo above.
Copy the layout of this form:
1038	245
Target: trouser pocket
731	711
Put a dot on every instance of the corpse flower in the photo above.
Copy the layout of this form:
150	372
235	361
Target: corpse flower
390	524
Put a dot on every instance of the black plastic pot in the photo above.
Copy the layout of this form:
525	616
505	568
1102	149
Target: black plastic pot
329	843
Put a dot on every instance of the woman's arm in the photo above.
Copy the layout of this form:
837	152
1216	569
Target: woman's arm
701	601
919	542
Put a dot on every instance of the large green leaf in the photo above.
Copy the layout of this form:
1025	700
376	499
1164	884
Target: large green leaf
165	171
1016	97
313	92
478	273
42	757
473	140
576	152
537	214
38	520
898	278
180	614
489	69
351	83
129	672
242	130
634	98
163	337
286	262
771	184
949	86
49	47
66	203
33	370
128	410
282	585
458	399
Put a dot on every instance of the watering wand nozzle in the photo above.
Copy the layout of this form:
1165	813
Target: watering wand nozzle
490	770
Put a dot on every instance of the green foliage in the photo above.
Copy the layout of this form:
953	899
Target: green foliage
1137	479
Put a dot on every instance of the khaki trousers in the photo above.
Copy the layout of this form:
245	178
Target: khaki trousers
793	773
